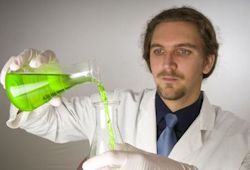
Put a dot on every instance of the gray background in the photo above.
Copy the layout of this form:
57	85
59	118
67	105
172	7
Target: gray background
110	31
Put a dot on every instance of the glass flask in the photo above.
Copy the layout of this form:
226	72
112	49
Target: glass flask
29	88
107	133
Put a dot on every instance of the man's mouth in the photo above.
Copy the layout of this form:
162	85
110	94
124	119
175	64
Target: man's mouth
169	79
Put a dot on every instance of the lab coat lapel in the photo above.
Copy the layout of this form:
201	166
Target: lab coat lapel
192	139
146	128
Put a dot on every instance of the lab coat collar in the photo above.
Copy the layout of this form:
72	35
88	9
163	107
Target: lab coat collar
207	115
192	138
146	127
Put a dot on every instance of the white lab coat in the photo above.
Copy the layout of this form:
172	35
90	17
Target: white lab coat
216	140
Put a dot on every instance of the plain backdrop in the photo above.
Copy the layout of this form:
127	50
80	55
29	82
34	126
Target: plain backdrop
111	31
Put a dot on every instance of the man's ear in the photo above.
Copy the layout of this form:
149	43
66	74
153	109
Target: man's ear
208	64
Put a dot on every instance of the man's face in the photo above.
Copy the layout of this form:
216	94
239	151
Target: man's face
177	61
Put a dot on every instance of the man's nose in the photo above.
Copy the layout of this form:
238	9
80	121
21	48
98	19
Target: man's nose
169	61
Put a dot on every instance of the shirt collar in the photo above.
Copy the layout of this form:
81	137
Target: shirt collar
185	116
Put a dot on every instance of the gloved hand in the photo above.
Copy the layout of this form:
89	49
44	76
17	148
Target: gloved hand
33	58
131	158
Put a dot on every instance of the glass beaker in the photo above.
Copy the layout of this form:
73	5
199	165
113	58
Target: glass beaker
29	88
107	133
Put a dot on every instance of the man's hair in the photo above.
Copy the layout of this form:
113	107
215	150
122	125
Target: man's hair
187	14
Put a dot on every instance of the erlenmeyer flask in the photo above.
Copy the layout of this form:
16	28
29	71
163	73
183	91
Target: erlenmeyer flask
107	133
30	88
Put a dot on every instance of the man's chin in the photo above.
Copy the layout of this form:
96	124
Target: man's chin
170	93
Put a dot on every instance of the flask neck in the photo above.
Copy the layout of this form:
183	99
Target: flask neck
102	119
82	77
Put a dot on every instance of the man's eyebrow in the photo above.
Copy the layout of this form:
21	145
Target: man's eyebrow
189	45
155	45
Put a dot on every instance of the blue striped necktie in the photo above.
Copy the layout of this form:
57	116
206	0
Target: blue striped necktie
167	139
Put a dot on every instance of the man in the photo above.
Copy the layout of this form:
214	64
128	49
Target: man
181	49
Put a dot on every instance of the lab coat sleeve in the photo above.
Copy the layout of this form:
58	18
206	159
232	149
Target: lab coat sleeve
71	121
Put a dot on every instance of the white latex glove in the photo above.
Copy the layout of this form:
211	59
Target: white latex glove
33	58
131	158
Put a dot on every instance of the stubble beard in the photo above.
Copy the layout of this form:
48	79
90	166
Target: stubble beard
168	92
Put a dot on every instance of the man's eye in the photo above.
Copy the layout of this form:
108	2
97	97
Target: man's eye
182	52
158	51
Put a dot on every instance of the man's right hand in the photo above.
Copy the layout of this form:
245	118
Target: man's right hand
33	58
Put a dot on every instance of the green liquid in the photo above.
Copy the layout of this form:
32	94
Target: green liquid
104	98
29	91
